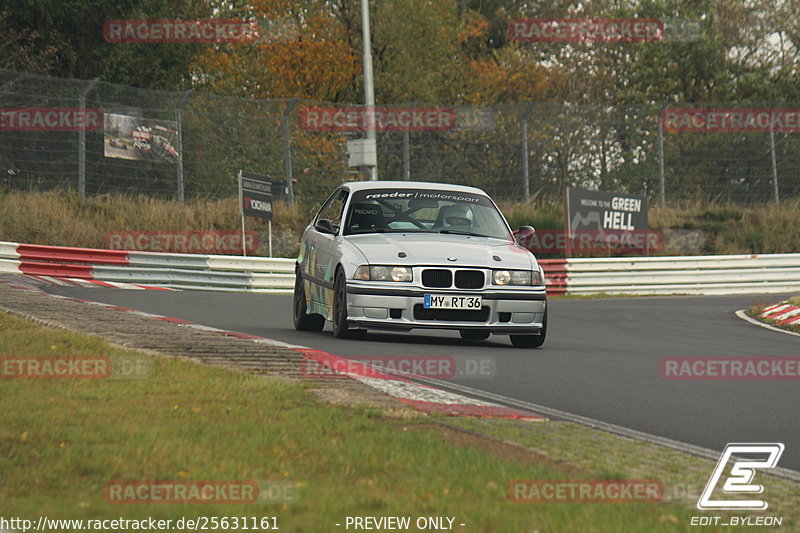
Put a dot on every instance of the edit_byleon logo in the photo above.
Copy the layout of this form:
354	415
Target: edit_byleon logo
759	456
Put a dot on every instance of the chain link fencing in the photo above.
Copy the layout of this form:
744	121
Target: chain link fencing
192	144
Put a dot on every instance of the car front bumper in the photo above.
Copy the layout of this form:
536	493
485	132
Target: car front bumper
512	310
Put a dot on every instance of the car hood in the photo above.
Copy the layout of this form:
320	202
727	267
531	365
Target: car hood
435	248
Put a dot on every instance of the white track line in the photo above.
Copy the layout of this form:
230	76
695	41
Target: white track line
699	451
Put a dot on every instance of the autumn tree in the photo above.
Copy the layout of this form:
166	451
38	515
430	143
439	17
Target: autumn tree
303	52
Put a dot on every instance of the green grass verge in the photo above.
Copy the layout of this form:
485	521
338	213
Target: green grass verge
61	441
684	476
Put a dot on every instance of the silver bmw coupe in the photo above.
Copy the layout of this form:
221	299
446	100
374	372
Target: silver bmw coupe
399	255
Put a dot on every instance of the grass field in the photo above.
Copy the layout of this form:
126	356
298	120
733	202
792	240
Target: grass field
62	218
63	440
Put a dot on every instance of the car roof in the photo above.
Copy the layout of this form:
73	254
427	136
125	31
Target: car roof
393	184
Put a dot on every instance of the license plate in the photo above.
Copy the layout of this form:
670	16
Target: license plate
451	301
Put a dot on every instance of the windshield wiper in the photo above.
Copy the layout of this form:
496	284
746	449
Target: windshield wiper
366	230
459	232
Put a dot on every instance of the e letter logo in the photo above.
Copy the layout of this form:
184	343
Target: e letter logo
741	476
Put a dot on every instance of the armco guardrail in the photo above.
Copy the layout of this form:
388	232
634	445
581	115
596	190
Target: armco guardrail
182	271
555	271
710	274
715	274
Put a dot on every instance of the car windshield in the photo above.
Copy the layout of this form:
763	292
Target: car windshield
424	211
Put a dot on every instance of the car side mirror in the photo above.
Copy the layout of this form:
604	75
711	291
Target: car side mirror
523	233
323	225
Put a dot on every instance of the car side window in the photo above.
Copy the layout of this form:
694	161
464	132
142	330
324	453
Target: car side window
334	208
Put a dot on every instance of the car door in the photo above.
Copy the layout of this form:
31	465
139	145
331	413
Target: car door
322	254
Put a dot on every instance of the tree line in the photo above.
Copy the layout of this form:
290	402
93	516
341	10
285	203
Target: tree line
452	52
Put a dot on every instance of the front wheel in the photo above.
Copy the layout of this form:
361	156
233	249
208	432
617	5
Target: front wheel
340	328
531	341
304	321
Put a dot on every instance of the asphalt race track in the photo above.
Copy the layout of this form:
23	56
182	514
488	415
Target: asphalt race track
602	359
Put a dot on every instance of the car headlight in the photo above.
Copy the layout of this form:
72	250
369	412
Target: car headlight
516	277
383	273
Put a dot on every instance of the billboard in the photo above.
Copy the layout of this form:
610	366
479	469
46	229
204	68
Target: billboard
138	138
255	192
609	219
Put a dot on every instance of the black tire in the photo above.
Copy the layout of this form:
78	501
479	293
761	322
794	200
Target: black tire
304	321
474	334
341	329
531	341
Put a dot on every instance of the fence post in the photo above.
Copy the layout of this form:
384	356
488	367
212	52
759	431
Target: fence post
179	121
526	180
406	158
661	186
774	159
287	151
82	140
